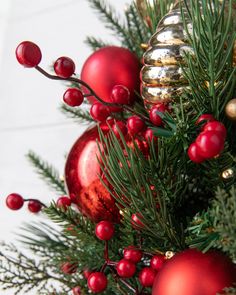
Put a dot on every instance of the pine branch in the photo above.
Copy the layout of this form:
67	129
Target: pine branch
47	172
80	116
95	43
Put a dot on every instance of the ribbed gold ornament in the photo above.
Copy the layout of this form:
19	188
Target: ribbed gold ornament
162	77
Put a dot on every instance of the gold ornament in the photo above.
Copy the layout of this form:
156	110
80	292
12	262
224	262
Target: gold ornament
230	109
228	174
169	254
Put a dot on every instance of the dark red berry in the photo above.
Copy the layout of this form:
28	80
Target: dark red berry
157	262
104	230
125	268
63	202
136	221
97	282
216	126
120	94
69	268
77	291
210	144
73	97
64	67
135	125
28	54
148	135
193	154
14	201
161	107
99	112
119	127
204	118
147	276
133	254
87	273
34	206
155	117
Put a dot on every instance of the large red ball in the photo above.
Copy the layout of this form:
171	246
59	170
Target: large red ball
110	66
193	273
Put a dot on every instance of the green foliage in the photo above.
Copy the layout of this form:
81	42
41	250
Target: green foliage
79	115
95	43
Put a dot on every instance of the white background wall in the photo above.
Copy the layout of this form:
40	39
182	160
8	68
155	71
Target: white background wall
29	116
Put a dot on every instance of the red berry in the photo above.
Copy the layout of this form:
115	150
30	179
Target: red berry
157	262
64	67
155	117
69	268
28	54
210	144
104	230
97	282
87	273
120	94
216	126
136	221
133	254
125	268
147	276
206	118
76	291
63	202
34	206
161	107
193	154
99	112
14	201
73	97
119	127
148	135
135	125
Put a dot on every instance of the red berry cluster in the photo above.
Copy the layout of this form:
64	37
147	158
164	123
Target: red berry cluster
210	142
15	202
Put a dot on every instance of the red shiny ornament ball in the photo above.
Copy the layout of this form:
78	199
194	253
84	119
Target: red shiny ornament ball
97	282
77	291
147	276
135	125
73	97
104	230
82	172
157	262
204	118
69	268
210	144
193	273
63	202
133	254
194	155
120	94
108	67
154	116
99	112
64	67
216	126
28	54
125	268
14	201
136	221
119	127
34	206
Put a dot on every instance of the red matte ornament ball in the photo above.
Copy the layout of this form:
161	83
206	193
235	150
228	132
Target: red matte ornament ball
194	155
120	94
64	67
216	126
133	254
135	125
14	201
69	268
125	268
97	282
34	206
154	117
193	273
147	276
73	97
63	202
104	230
77	291
28	54
157	262
99	112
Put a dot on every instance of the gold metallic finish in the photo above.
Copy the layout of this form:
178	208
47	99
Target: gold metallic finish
227	174
144	46
169	254
230	109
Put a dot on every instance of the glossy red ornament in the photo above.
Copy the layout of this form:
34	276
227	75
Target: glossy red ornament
194	273
14	201
135	125
34	206
216	126
133	254
28	54
64	67
125	268
194	155
69	268
82	172
73	97
157	262
97	282
99	112
108	67
104	230
147	276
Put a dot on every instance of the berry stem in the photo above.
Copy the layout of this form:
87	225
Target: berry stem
42	204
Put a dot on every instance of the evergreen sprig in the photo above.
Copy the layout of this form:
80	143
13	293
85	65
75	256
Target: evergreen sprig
96	43
79	115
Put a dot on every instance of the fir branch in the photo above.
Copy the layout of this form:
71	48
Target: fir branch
47	172
95	43
80	116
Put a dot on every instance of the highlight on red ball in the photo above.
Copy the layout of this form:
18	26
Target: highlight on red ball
28	54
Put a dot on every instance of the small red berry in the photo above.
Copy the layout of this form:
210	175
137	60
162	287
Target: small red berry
148	135
120	94
136	221
97	282
155	118
77	291
161	107
119	127
87	273
63	202
135	125
147	276
133	254
210	144
69	268
64	67
216	126
28	54
193	154
125	268
205	118
14	201
34	206
73	97
104	230
157	262
99	112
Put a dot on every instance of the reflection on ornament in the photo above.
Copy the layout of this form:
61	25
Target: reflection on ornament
230	109
169	254
227	174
